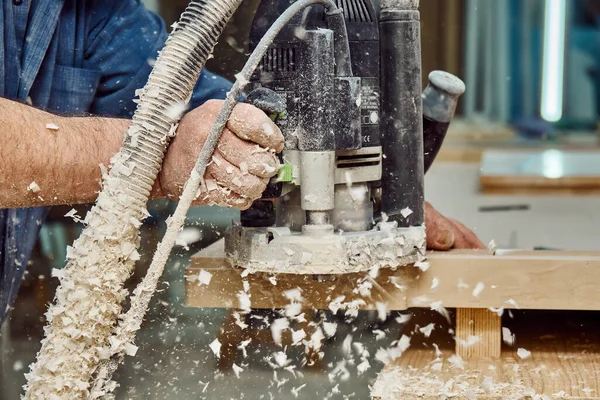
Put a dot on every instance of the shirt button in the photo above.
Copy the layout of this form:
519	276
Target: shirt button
17	2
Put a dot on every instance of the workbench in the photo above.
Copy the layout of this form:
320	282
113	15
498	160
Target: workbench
476	287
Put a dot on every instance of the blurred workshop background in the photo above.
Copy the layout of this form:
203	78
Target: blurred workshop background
521	167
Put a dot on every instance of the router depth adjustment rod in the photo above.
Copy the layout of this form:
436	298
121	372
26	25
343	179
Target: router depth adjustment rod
402	112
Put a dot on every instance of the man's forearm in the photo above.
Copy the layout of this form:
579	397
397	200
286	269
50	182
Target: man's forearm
42	166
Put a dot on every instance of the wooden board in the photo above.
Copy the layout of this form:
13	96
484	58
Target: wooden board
511	279
565	359
552	170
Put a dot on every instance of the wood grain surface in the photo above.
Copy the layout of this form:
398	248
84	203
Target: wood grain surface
564	362
509	280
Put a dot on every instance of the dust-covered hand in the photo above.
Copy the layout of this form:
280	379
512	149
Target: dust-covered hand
242	163
445	234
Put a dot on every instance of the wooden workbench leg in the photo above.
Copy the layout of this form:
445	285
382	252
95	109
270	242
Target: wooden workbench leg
230	336
478	333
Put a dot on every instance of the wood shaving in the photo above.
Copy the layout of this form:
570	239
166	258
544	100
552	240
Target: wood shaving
423	265
33	187
426	330
406	212
478	289
237	370
215	346
329	328
523	354
204	277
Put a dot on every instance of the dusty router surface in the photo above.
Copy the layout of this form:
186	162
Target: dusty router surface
322	251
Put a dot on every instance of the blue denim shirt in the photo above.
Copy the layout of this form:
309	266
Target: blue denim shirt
74	57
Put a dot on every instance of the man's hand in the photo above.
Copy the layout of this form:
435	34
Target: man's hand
446	234
242	164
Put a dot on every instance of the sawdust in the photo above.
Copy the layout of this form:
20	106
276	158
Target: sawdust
89	297
401	383
339	255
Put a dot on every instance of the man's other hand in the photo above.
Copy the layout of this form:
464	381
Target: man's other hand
445	234
242	163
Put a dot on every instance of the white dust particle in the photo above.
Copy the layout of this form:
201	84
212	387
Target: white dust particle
244	301
176	110
382	311
384	217
269	169
406	212
215	346
245	273
329	328
293	309
456	361
478	289
33	187
587	390
242	346
404	343
499	311
316	339
507	336
277	328
471	340
204	278
298	335
404	318
18	365
73	215
379	334
491	245
130	349
188	236
426	330
462	285
293	294
523	354
363	366
244	168
280	358
52	126
437	306
347	345
560	395
237	370
435	282
422	265
512	303
296	390
336	304
217	161
273	280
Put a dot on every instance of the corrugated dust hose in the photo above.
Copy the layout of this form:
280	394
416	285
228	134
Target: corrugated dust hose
90	296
